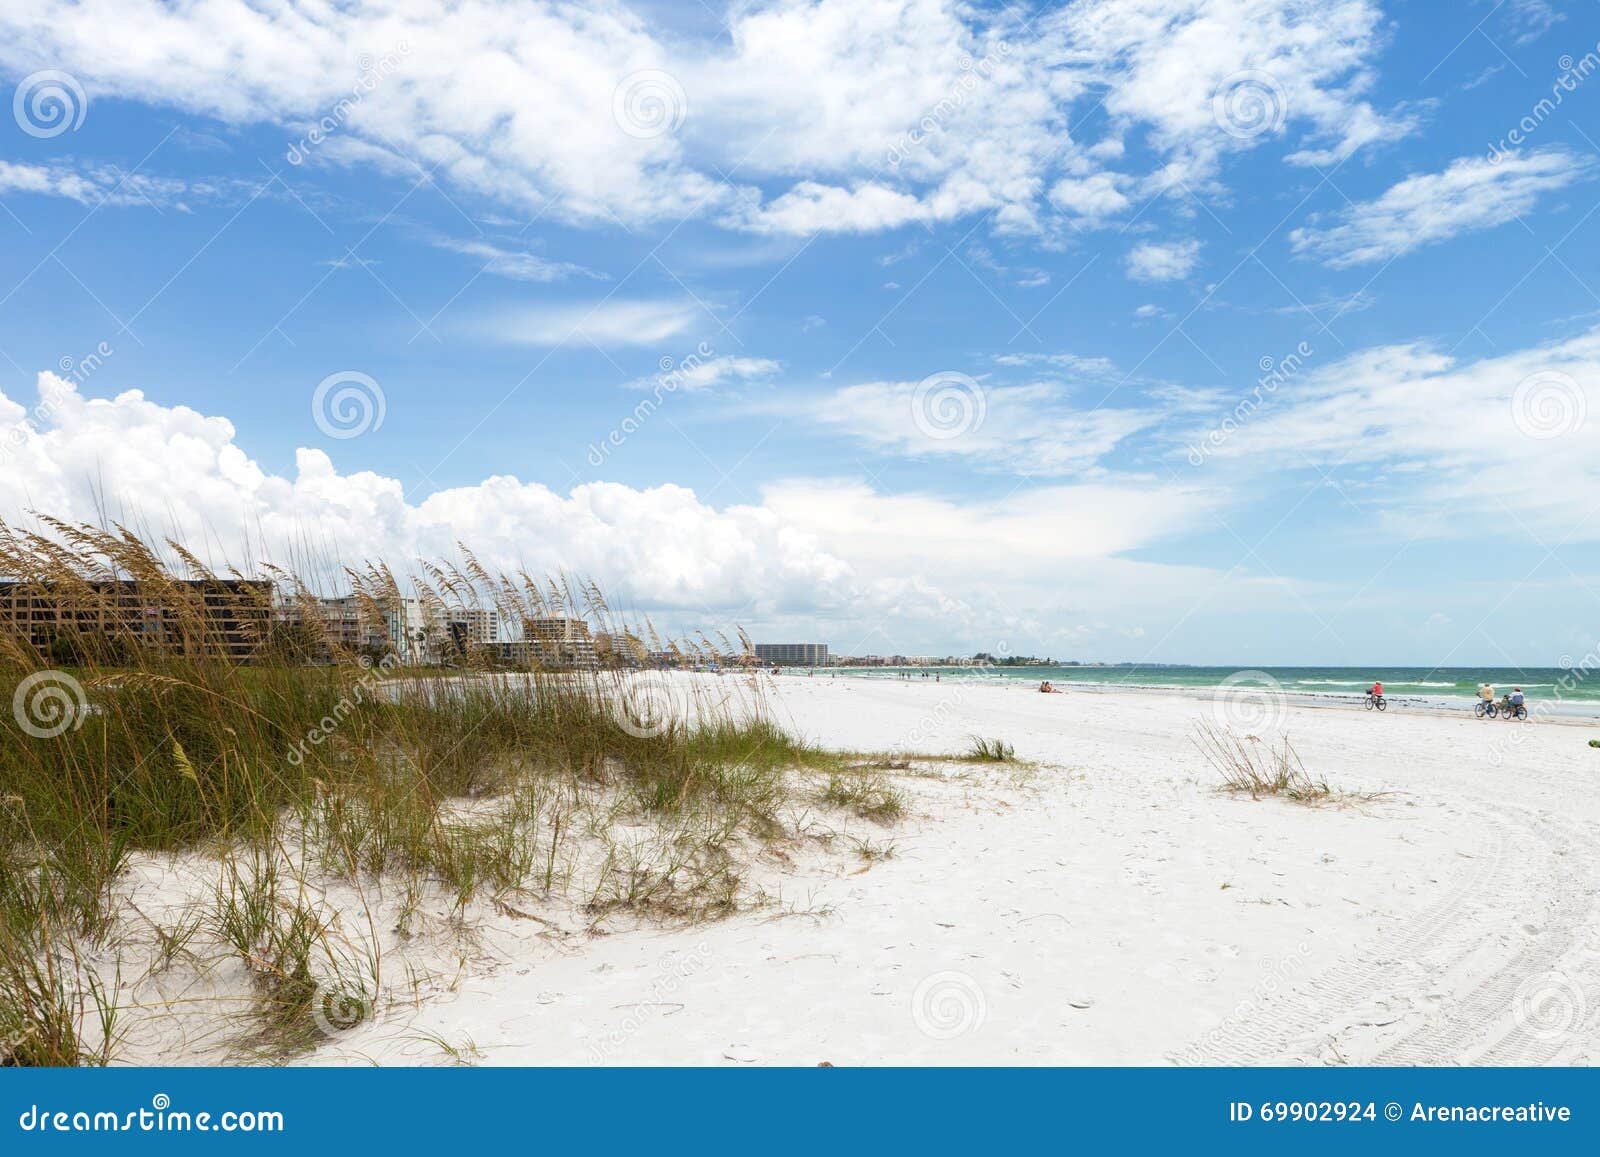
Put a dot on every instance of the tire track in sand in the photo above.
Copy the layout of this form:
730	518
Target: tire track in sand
1523	853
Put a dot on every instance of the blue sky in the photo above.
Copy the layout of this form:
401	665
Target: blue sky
970	313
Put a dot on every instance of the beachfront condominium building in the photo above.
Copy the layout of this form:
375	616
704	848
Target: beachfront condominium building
793	654
552	642
471	628
104	621
353	625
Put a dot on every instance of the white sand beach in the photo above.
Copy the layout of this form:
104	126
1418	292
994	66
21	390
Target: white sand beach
1105	904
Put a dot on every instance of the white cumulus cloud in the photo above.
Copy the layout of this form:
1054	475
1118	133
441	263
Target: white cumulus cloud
1163	261
802	116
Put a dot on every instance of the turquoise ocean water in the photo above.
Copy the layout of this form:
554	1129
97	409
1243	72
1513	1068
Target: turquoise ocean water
1565	690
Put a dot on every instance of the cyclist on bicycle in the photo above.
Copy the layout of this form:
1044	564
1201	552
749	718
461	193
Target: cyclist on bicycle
1517	698
1376	690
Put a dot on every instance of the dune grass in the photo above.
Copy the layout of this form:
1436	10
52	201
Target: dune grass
1250	765
480	784
865	792
984	750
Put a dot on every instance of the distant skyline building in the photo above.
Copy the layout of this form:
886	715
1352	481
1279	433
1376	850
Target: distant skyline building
794	654
411	629
557	642
348	623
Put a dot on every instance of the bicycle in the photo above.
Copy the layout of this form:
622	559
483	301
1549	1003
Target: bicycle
1482	709
1514	710
1377	701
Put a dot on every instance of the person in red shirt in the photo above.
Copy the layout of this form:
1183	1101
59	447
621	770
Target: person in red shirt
1376	690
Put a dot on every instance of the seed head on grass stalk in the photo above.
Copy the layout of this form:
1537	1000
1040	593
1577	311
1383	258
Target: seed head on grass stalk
231	720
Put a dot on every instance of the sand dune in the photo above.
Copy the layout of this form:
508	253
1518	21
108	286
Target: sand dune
1109	906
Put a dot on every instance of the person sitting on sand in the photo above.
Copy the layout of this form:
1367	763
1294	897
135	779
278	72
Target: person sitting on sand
1049	690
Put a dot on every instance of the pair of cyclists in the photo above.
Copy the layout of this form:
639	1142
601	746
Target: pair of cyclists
1513	703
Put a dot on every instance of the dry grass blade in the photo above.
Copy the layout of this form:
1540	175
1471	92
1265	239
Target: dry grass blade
1248	764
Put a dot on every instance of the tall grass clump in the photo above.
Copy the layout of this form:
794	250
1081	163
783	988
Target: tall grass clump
982	750
151	704
865	792
1248	764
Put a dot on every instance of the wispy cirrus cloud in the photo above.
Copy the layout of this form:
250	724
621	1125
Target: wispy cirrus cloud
103	184
1027	429
1472	194
604	323
517	264
1075	364
710	373
1429	437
